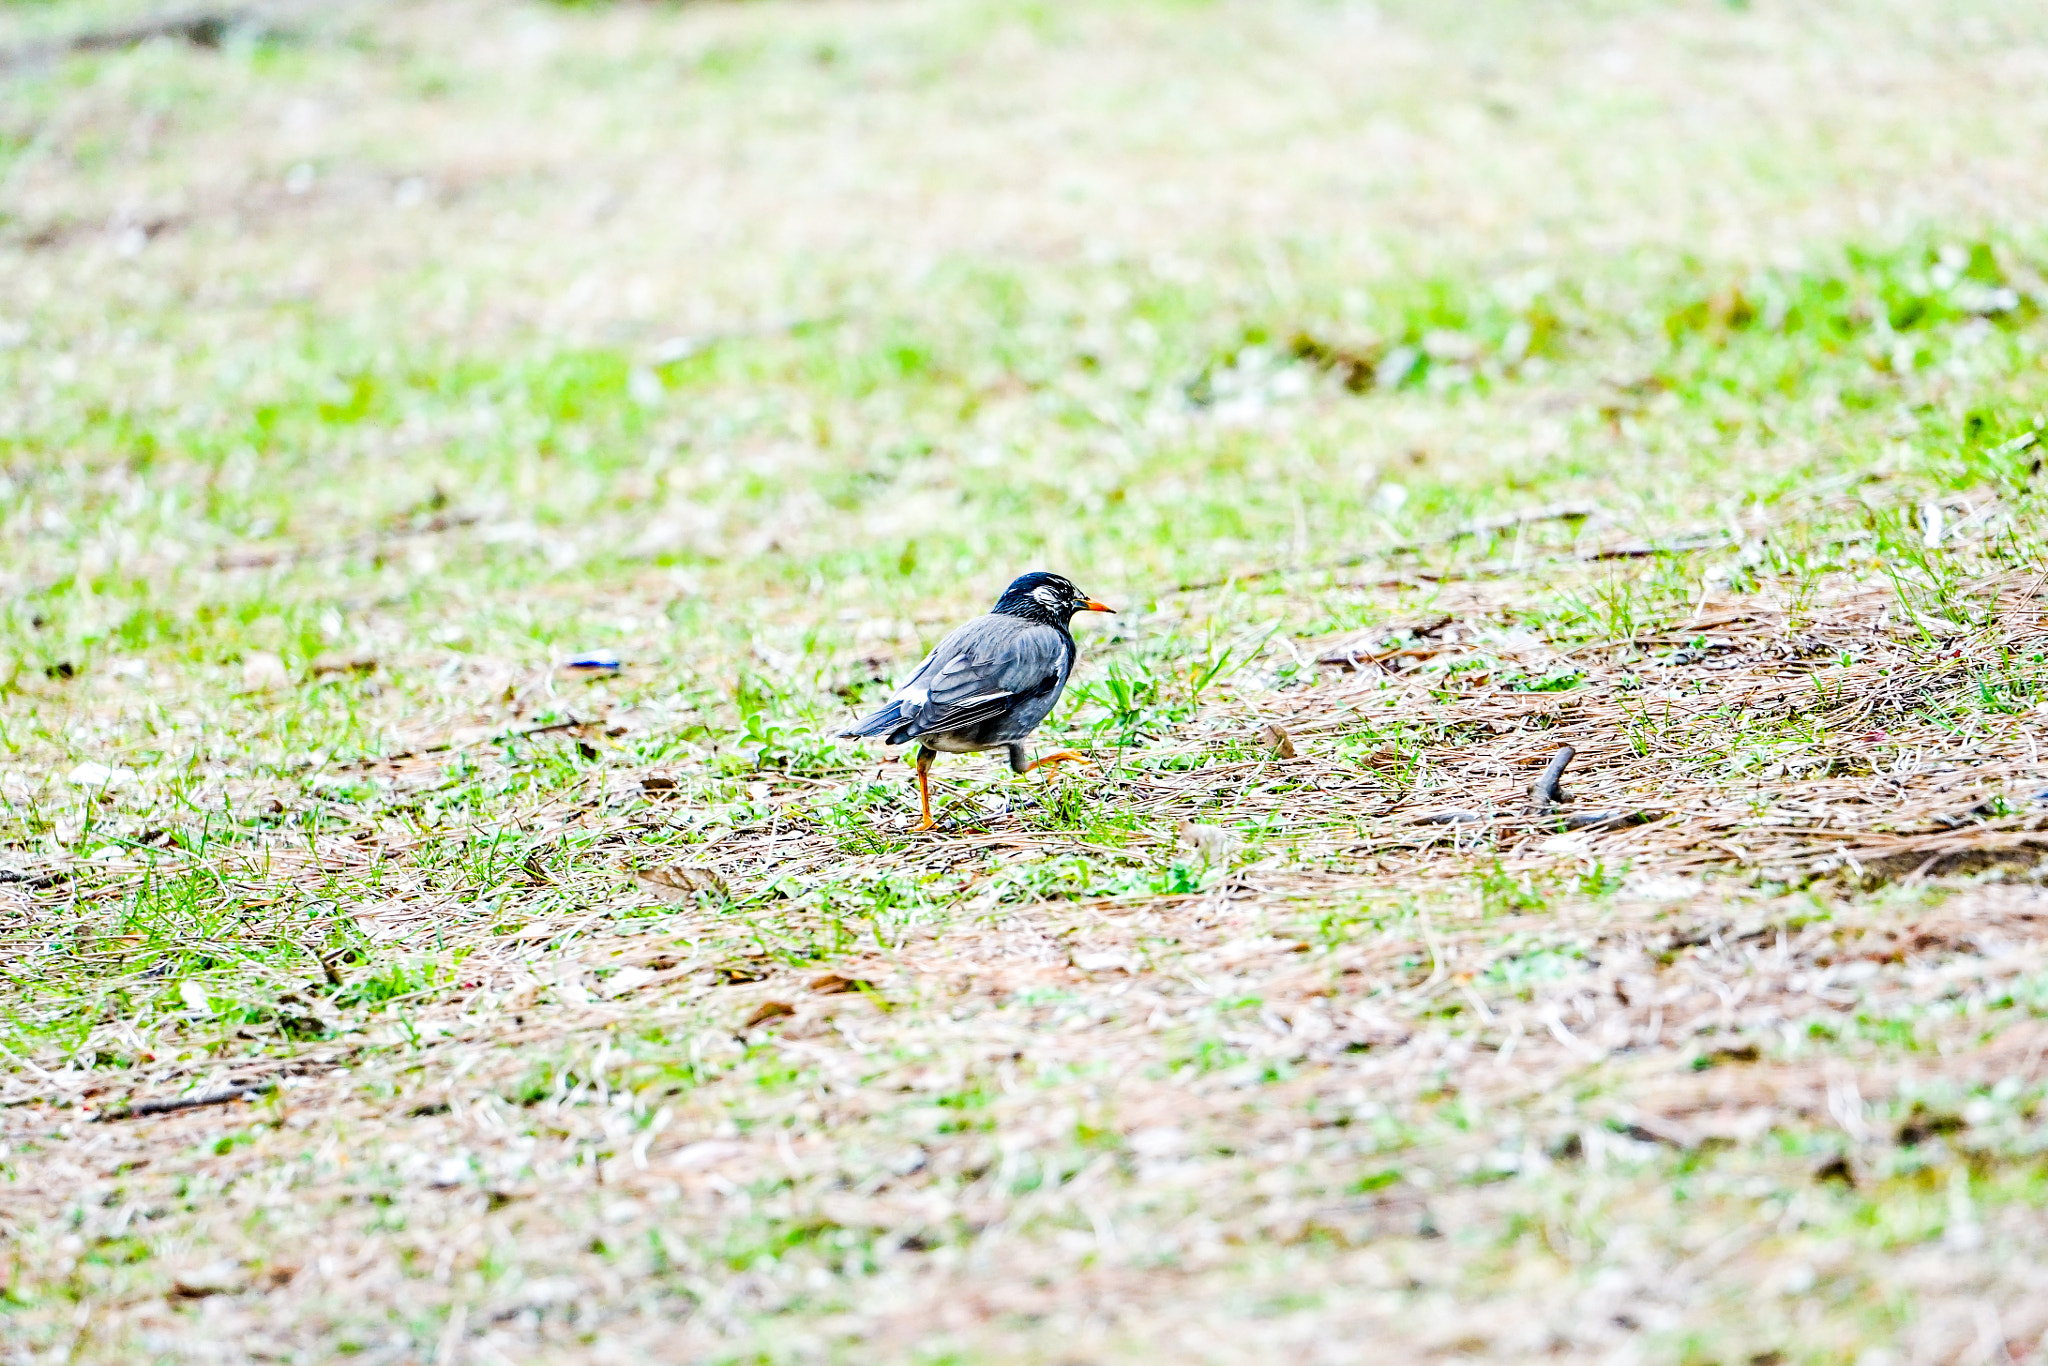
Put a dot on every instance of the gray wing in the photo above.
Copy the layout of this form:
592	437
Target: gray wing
979	672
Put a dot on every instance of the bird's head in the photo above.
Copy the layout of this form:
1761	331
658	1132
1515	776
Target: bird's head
1040	596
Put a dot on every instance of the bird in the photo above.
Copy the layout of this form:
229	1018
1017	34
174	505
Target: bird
989	683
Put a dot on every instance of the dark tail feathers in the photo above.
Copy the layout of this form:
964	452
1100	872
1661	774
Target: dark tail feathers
880	724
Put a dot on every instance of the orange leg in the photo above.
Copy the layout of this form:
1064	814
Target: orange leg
924	785
1060	756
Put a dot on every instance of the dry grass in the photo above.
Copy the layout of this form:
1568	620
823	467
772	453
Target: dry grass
1305	1098
615	1015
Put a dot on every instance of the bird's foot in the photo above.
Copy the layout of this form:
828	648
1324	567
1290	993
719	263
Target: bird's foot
1060	756
926	824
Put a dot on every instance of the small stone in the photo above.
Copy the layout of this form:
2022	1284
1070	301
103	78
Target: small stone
100	776
1212	842
262	671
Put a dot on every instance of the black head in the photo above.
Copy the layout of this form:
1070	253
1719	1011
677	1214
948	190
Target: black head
1039	596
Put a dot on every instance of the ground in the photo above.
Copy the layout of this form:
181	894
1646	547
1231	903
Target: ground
463	462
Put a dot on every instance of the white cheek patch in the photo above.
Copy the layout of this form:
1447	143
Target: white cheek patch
1050	597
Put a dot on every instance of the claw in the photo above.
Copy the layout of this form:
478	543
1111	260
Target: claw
1060	756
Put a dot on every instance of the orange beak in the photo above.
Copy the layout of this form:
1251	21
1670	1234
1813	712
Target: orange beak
1094	606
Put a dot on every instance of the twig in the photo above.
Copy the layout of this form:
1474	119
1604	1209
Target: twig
145	1109
1684	543
201	28
1555	512
1547	793
208	28
265	559
1452	816
499	737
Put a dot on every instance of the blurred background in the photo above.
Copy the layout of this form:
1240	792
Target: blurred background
512	329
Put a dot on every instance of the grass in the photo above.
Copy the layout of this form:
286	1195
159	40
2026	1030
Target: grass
1392	376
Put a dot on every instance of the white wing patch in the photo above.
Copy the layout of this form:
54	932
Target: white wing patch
914	696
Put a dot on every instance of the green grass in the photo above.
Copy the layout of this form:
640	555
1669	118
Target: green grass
619	1014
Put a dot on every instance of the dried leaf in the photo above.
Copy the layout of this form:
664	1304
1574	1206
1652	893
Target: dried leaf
1278	743
766	1011
708	1152
627	978
832	984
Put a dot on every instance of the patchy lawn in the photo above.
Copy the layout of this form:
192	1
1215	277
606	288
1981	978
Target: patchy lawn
463	462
